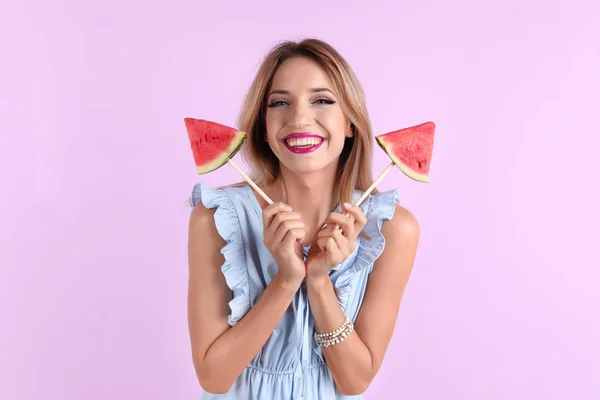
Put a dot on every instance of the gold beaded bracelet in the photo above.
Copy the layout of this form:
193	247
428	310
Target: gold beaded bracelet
335	337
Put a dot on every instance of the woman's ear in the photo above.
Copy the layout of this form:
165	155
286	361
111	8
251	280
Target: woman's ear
350	131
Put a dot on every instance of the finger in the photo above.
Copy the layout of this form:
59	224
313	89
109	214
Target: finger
280	218
322	242
271	210
341	242
346	223
327	230
324	234
333	252
284	228
294	235
357	213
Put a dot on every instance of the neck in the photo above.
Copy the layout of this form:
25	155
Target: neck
309	194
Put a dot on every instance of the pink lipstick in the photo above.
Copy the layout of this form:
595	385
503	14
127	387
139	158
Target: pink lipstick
300	148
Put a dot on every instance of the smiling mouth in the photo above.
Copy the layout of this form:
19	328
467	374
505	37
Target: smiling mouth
303	145
306	142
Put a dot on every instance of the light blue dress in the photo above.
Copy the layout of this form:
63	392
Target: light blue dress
290	365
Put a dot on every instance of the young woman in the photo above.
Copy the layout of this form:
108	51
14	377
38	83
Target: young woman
298	300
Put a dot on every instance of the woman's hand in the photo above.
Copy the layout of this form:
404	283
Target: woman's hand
283	233
335	246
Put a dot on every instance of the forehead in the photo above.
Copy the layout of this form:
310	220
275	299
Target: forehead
300	74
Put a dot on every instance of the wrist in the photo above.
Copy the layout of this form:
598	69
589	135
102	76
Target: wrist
287	283
318	280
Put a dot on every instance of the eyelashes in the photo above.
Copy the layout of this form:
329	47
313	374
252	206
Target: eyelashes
276	104
280	103
325	101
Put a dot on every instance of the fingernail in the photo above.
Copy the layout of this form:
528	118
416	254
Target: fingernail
287	208
348	205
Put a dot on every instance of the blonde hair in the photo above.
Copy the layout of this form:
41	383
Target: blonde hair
354	168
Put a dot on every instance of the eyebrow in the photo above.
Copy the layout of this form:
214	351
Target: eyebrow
313	90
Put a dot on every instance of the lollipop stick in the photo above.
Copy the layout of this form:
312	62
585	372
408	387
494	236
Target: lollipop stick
247	179
370	189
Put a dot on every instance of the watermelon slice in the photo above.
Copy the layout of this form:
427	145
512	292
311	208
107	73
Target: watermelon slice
212	144
410	149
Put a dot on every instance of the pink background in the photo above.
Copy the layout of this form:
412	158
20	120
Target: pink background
504	301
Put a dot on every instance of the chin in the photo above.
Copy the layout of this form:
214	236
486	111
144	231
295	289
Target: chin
309	166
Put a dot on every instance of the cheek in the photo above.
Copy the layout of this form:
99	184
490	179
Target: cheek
337	126
334	118
271	123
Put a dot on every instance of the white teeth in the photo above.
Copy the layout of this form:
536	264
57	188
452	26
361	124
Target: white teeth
304	142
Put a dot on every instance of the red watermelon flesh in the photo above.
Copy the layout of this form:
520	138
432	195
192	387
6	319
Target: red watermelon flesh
212	144
410	149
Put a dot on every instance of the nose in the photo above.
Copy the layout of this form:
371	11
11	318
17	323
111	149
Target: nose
301	116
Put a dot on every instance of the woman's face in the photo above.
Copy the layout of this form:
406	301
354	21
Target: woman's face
306	127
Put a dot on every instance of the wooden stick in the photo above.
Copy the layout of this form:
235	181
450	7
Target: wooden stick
269	201
250	181
370	189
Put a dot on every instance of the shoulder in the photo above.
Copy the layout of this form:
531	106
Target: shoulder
401	236
202	220
201	214
204	240
215	212
219	197
402	227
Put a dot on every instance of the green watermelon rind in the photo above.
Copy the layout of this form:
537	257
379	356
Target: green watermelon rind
234	147
411	173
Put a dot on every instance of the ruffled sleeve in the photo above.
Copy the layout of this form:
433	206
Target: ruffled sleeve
377	208
235	266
